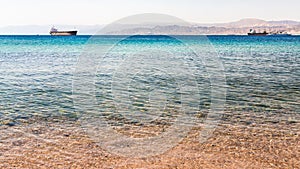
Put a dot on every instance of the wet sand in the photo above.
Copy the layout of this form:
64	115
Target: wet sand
235	144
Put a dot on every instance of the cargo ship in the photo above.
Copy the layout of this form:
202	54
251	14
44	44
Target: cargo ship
254	33
56	32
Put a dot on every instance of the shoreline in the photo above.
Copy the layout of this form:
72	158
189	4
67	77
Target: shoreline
61	143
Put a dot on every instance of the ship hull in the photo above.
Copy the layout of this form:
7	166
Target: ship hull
257	34
64	33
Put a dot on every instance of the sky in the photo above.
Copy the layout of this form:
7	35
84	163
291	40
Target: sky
92	12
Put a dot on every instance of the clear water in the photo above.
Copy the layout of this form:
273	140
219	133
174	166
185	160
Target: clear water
262	73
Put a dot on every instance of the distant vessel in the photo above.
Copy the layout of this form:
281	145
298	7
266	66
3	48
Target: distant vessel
254	33
56	32
280	33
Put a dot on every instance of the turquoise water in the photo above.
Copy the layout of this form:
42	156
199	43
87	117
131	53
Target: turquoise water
262	73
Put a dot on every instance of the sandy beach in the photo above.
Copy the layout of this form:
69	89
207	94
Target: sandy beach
236	143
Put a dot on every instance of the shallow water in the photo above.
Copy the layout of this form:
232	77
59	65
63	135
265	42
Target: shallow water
36	73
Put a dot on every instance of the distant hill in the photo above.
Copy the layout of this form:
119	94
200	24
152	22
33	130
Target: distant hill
240	27
252	22
245	23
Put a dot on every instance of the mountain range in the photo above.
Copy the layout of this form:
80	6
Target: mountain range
251	22
240	27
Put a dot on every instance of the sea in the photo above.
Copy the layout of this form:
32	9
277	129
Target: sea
261	74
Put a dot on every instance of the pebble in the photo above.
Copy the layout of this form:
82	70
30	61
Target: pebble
10	124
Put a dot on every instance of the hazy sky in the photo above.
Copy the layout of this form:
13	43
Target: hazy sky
81	12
